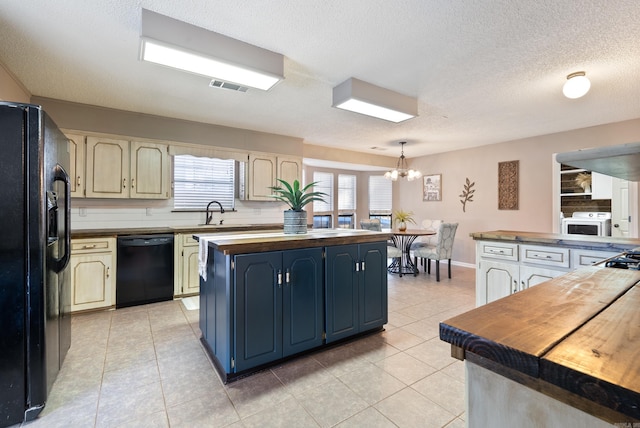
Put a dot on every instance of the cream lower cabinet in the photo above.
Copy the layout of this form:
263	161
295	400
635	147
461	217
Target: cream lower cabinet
93	273
186	275
504	268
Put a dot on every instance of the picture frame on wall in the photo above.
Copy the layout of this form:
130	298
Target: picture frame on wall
432	187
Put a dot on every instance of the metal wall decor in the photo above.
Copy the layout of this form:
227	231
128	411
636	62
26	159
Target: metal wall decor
467	194
432	187
508	185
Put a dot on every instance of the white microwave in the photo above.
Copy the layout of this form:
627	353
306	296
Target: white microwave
587	223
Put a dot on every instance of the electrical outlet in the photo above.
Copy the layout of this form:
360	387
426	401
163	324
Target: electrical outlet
82	212
256	211
149	212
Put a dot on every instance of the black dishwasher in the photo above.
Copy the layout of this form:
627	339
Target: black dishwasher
144	272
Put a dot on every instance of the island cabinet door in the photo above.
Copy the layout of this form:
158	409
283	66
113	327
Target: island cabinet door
373	285
302	300
258	304
496	280
342	270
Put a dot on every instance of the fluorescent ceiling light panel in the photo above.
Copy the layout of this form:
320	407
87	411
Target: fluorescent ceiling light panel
179	45
364	98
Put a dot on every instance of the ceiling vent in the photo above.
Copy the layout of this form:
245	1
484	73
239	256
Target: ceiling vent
226	85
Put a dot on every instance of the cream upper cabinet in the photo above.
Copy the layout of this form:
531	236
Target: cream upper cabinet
262	175
76	166
120	169
149	171
107	168
263	169
289	169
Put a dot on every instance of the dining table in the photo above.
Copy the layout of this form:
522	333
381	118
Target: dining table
403	239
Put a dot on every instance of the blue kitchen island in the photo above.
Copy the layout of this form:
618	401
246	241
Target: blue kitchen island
266	296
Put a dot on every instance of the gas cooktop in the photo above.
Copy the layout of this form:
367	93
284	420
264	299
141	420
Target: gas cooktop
627	260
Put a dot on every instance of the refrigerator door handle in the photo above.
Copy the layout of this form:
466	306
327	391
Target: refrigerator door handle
59	174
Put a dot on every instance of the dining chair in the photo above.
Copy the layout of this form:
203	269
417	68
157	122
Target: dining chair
393	252
440	251
427	241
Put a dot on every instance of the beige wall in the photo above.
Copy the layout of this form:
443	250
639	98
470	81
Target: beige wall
82	117
11	88
480	165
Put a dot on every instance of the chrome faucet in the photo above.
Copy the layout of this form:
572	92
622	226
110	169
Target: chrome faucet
209	216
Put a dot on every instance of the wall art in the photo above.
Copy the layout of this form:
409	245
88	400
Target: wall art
508	185
432	187
467	194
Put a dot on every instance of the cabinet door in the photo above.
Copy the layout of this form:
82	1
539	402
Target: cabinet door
190	276
530	276
302	303
495	280
262	175
76	166
258	304
92	281
149	171
289	169
373	286
341	292
107	168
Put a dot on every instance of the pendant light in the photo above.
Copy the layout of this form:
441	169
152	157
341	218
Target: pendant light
401	170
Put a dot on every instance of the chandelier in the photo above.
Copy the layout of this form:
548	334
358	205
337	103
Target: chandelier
401	170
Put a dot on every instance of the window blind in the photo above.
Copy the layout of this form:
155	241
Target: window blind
200	180
380	195
346	192
324	184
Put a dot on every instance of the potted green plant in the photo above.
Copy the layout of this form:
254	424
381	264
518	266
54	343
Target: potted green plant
295	218
402	218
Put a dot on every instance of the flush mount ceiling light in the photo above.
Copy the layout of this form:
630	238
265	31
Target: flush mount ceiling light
401	170
365	98
176	44
576	86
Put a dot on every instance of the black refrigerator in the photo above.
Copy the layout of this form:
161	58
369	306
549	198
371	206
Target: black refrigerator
35	294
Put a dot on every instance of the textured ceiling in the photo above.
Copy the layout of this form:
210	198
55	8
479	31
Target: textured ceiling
483	71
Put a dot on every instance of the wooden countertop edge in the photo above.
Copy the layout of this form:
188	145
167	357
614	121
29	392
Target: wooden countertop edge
230	247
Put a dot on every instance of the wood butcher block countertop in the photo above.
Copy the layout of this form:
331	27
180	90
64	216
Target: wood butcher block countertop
579	332
243	243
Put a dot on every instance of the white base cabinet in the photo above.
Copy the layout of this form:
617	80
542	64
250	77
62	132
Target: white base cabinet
93	273
504	268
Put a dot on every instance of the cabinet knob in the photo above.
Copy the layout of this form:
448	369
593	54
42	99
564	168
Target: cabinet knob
124	183
133	183
107	272
616	225
78	181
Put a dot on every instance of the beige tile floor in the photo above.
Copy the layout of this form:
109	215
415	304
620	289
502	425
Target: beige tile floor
144	367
